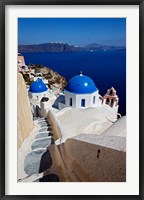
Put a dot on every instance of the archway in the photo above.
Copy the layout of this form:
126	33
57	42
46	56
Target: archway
107	101
82	102
111	92
112	102
70	103
94	99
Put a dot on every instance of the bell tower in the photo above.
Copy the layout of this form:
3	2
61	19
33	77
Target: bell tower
111	98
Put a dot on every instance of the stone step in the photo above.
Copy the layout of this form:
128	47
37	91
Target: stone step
32	178
44	176
43	125
42	134
42	138
42	143
43	121
40	150
32	162
42	118
43	129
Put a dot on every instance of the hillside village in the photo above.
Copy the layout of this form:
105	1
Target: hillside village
32	72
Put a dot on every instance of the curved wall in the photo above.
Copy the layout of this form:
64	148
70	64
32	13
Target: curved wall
25	119
80	161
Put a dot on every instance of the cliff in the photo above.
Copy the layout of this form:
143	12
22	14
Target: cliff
49	47
64	47
25	120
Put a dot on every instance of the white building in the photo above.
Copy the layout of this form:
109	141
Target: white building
41	98
22	67
40	76
81	92
44	105
38	90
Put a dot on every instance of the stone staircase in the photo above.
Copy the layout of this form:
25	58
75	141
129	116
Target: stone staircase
38	164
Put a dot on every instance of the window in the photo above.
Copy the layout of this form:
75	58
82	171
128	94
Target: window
70	102
111	92
94	100
107	101
82	102
112	102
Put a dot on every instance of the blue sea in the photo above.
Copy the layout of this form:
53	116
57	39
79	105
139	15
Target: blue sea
106	68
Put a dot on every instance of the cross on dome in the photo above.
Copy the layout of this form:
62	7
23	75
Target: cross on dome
81	74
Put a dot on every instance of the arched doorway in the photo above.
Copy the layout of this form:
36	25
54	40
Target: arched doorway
111	92
82	102
107	101
112	102
70	103
94	99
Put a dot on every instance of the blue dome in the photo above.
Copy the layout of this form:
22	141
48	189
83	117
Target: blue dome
38	86
81	84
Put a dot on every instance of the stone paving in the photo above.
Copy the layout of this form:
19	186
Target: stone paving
43	129
39	159
42	135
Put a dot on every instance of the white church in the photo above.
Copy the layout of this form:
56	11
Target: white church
40	97
80	92
38	89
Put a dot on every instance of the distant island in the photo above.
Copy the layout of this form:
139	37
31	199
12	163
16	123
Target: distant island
65	47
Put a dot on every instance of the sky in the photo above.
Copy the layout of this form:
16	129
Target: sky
75	31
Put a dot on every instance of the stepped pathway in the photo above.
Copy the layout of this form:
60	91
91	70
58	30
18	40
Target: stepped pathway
38	165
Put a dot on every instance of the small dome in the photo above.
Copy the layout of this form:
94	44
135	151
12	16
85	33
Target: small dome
81	84
38	86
